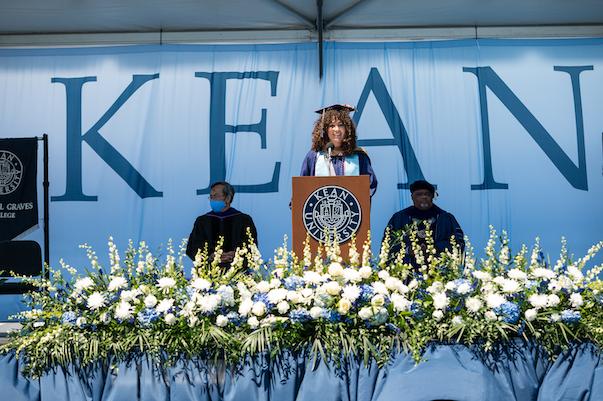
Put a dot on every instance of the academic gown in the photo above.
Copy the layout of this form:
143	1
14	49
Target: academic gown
309	167
208	228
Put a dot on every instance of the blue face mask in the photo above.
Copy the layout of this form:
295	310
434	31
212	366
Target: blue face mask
217	205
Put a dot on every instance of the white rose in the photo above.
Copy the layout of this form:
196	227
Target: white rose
437	314
332	288
413	284
165	305
262	286
575	273
451	285
365	313
344	305
393	284
383	275
294	296
490	315
316	312
576	300
253	322
150	301
221	321
259	309
335	269
275	283
351	275
277	295
436	286
440	300
283	307
365	272
170	319
531	314
306	292
473	304
378	300
482	276
351	292
380	288
116	283
400	303
245	307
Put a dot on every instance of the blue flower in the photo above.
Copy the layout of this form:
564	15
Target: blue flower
509	312
147	316
393	328
235	318
262	297
292	283
416	311
570	316
331	316
69	318
366	293
299	316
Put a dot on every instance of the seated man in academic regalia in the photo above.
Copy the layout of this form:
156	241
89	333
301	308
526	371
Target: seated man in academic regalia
223	221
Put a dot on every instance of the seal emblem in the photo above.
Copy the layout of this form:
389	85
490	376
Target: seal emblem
11	172
332	211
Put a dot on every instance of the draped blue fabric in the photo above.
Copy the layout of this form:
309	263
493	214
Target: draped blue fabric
446	373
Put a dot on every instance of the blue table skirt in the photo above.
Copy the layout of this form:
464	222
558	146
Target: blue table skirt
448	373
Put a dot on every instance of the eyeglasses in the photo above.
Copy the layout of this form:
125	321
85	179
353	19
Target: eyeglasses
216	197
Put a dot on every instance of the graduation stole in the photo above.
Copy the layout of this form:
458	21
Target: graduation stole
323	168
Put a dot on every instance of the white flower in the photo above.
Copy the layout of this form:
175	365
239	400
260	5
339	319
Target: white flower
494	300
116	283
531	314
380	288
365	272
335	269
451	285
227	294
351	292
400	303
165	305
312	277
283	307
123	311
437	314
555	317
576	300
165	283
253	322
383	275
96	300
278	272
275	283
243	290
209	303
553	300
378	300
490	315
259	309
83	284
351	275
538	300
440	300
394	284
464	288
128	295
509	286
344	305
201	284
365	313
473	304
193	320
413	284
306	292
277	295
332	288
517	274
457	320
541	272
294	296
481	275
221	321
150	301
245	307
575	273
38	324
316	312
81	321
170	318
262	286
436	286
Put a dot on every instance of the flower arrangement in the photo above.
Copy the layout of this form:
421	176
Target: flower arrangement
367	307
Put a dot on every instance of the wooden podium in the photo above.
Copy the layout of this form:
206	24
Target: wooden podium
324	206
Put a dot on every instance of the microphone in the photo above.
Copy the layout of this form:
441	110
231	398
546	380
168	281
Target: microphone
330	147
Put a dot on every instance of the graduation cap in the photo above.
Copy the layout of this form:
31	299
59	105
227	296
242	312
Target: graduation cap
337	107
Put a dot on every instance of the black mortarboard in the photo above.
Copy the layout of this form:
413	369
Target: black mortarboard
338	107
422	184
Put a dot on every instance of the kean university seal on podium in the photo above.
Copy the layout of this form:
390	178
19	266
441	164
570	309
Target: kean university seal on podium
332	211
11	171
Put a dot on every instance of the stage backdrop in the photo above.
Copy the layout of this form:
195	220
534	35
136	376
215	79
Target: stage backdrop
509	130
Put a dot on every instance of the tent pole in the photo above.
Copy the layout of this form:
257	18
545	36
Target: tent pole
320	28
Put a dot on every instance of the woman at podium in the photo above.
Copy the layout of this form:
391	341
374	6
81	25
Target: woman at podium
334	150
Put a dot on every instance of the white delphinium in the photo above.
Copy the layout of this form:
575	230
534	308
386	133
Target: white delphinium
123	311
576	300
96	300
165	283
117	283
316	312
201	284
343	306
538	301
351	292
494	300
165	305
440	300
140	266
473	304
258	309
83	284
150	301
531	314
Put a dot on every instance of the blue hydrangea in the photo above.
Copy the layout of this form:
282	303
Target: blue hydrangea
331	316
299	316
292	283
570	316
147	316
380	317
530	284
393	328
416	310
509	312
462	281
262	297
366	293
235	318
69	318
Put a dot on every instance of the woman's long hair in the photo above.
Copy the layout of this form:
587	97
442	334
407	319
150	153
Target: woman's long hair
320	137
